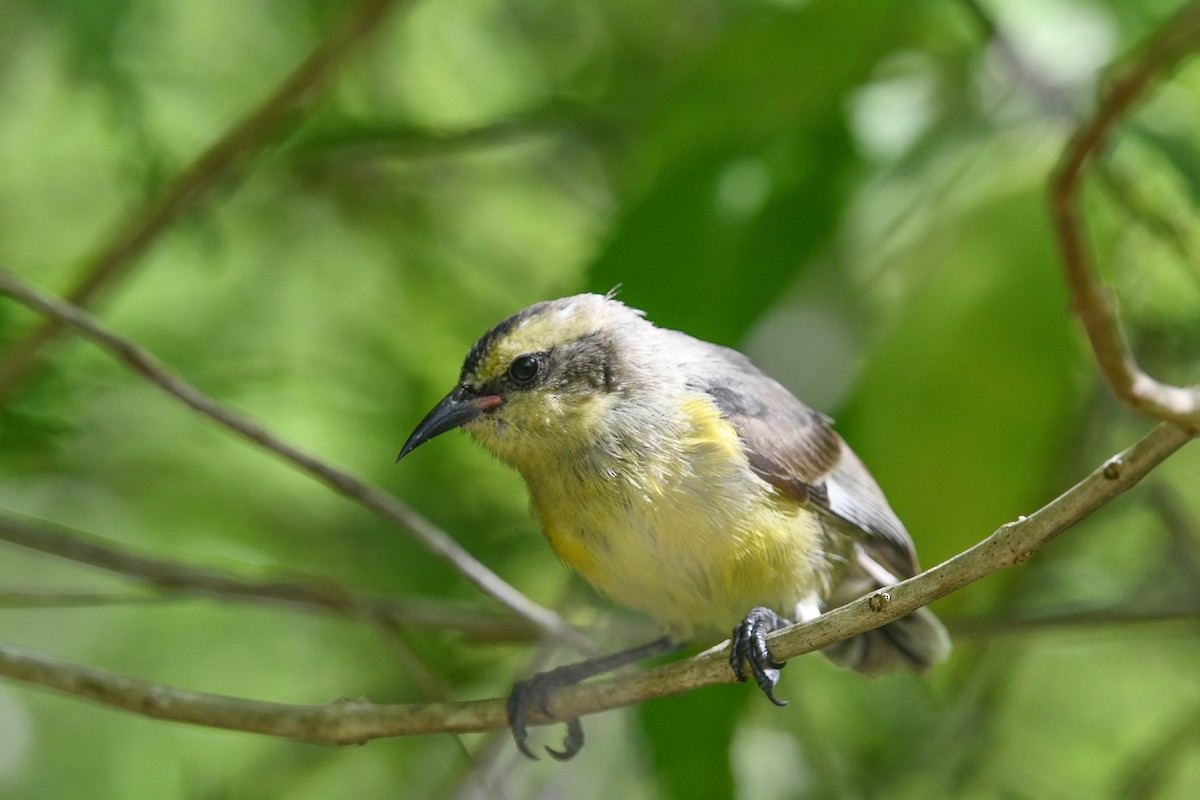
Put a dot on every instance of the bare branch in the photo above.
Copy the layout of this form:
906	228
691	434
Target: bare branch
42	598
359	721
432	537
182	579
216	166
343	722
1093	303
1012	544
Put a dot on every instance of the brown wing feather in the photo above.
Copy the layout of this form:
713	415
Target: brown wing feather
795	449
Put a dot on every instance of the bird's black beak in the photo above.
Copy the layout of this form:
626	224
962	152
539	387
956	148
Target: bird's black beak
455	410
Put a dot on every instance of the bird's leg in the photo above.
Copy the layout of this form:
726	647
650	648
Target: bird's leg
537	690
749	646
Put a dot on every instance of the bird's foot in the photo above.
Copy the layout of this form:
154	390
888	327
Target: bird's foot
749	646
536	691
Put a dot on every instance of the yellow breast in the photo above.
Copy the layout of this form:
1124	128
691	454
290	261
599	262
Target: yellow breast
675	523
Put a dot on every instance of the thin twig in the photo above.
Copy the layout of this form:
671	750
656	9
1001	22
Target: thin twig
1011	545
360	721
432	537
216	166
323	595
42	598
1092	302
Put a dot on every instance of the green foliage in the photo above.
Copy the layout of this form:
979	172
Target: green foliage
851	191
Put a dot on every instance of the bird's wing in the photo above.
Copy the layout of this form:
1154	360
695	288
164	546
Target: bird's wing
795	449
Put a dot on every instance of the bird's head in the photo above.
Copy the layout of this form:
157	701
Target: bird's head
540	381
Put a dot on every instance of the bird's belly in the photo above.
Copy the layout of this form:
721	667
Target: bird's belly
695	558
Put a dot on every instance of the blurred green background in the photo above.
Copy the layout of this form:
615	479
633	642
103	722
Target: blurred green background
852	192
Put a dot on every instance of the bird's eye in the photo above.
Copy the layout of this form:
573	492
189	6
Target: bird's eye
523	369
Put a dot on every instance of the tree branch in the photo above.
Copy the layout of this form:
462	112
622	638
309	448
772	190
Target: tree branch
1012	544
321	595
1092	302
43	598
359	721
172	580
214	167
437	541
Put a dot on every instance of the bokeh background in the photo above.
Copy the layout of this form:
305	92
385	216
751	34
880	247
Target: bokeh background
853	192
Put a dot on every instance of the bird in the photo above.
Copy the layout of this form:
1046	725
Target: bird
681	481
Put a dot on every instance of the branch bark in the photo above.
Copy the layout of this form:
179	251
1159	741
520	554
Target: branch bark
1012	544
359	721
1092	302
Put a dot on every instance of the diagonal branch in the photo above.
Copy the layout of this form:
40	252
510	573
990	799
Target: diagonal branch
216	166
1092	301
1012	544
437	541
360	721
42	598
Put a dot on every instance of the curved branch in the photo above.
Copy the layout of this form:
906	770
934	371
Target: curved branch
232	152
1012	544
1092	302
358	721
437	541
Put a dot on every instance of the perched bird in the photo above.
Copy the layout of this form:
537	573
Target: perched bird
678	479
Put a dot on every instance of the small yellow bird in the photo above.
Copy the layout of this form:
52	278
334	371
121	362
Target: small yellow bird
680	480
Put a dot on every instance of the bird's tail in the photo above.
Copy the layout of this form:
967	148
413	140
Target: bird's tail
915	642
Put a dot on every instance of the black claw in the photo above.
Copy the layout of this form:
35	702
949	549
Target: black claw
517	707
749	646
572	742
524	749
537	690
767	679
